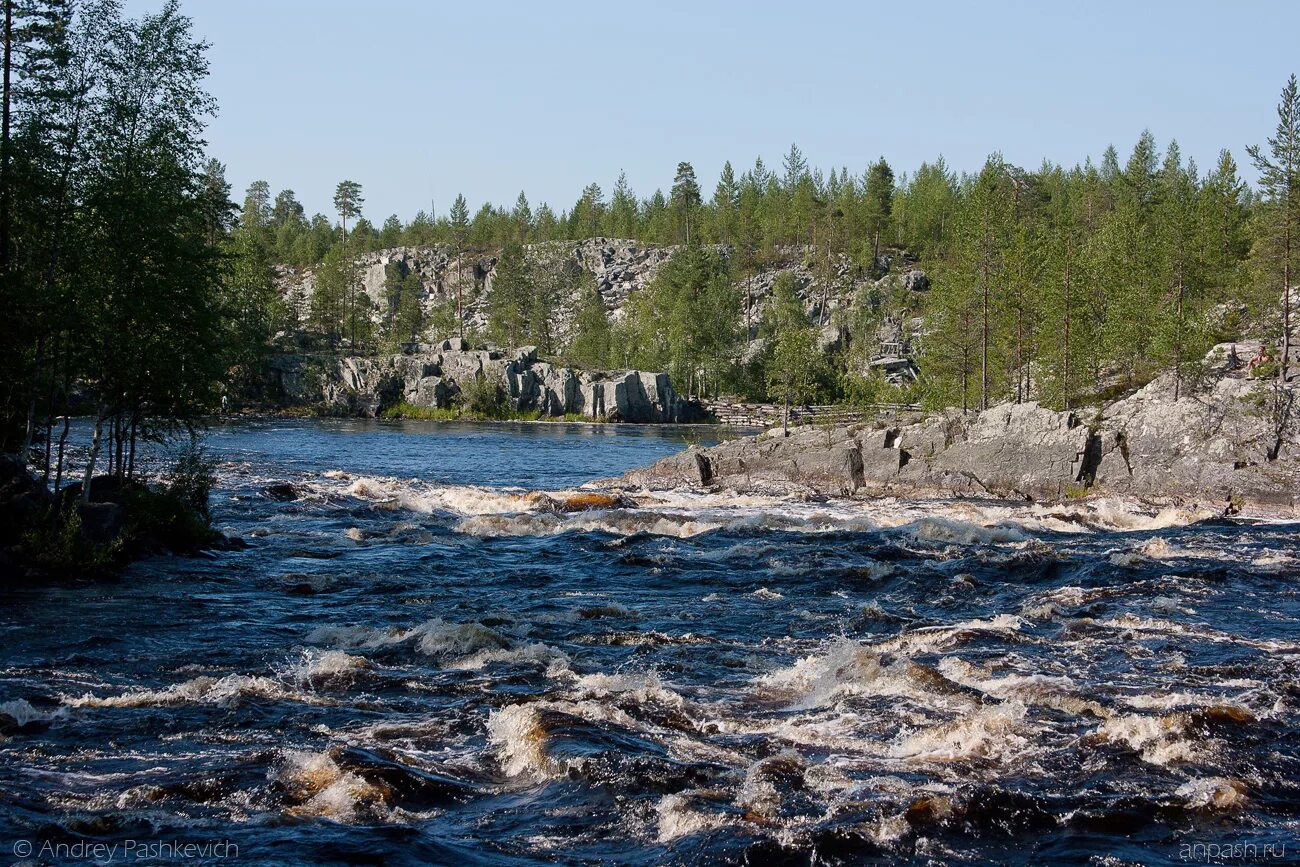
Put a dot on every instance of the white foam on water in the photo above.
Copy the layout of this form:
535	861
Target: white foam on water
457	646
318	668
849	668
517	733
677	817
929	639
941	529
1000	733
22	713
1159	740
1216	794
644	687
204	690
536	653
321	788
1060	693
416	496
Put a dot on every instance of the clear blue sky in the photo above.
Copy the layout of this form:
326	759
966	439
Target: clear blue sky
420	100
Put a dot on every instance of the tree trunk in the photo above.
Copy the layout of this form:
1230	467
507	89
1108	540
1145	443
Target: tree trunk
1286	296
984	345
135	427
1065	352
1178	341
63	444
95	445
4	138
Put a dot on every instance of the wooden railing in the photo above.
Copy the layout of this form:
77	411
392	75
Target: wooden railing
768	415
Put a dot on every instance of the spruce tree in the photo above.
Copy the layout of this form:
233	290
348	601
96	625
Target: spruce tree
459	218
726	198
510	302
791	371
591	344
879	202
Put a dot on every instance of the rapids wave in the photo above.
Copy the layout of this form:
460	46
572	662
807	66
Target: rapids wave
444	646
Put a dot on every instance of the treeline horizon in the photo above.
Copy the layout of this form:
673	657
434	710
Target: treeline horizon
795	204
1063	285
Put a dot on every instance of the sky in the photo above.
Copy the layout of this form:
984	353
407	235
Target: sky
419	100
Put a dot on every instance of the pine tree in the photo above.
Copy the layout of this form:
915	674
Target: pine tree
622	210
726	198
1137	181
1224	242
983	237
590	210
792	368
1061	299
546	225
335	277
522	217
347	202
404	319
218	210
1279	179
1177	229
685	199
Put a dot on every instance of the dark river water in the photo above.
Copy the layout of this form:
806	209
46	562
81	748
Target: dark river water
417	662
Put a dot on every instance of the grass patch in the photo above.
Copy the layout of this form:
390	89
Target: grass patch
1075	491
421	413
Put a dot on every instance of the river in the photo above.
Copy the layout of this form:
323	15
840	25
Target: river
415	661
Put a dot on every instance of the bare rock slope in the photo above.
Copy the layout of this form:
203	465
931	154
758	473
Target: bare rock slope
1214	446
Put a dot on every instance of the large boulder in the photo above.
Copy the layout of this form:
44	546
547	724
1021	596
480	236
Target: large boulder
23	499
1017	450
101	523
1218	442
916	280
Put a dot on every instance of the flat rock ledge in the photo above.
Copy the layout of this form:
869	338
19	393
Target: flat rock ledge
1216	448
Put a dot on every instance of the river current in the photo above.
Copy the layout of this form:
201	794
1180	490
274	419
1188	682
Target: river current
416	660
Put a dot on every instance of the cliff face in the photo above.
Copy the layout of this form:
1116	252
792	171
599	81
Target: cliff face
619	268
1212	446
436	376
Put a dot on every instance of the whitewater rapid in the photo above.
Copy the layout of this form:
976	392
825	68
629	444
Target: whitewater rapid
455	667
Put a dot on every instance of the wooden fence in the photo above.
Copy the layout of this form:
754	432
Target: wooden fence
768	415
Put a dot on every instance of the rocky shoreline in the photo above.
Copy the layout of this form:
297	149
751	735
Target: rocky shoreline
1215	446
437	376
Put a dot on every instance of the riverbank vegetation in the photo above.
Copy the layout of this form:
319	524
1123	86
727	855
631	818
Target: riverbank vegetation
1061	284
121	300
113	278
